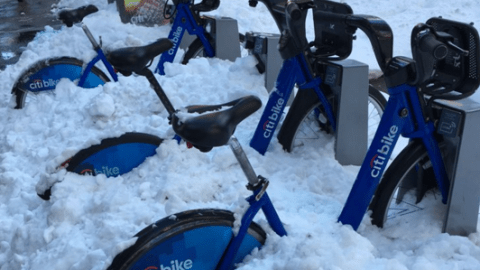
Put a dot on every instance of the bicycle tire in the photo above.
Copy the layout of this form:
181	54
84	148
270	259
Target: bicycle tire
45	74
195	237
114	156
196	49
304	112
407	187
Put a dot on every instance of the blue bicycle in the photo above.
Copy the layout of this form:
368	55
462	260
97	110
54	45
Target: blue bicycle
445	66
198	239
44	75
185	17
308	66
306	117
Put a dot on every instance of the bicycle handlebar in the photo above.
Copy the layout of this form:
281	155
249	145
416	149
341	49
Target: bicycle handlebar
430	44
377	30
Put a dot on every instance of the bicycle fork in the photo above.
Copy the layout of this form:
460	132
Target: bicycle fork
184	20
100	57
294	70
259	200
403	116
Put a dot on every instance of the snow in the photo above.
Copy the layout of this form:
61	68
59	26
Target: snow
90	219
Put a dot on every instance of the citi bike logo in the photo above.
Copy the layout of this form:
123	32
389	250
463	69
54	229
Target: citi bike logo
108	171
177	265
379	159
105	170
39	83
176	38
269	125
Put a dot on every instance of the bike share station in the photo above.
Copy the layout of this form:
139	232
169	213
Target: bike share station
349	81
459	124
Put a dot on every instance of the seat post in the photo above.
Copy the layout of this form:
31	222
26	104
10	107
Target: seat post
158	89
90	37
243	160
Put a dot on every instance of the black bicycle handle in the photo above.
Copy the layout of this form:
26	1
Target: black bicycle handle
332	17
430	44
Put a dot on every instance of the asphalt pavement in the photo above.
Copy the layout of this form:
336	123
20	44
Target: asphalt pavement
19	22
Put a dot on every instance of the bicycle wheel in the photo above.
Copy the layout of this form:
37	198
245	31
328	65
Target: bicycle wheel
43	77
196	49
194	239
306	119
114	156
407	188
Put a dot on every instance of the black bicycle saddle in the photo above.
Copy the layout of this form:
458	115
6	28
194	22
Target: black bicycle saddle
71	16
135	59
214	129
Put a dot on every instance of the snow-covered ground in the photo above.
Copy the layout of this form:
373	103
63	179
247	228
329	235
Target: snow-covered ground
89	219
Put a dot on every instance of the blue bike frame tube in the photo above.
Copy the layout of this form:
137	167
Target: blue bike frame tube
107	65
402	115
287	77
311	82
294	70
100	56
184	20
431	144
272	217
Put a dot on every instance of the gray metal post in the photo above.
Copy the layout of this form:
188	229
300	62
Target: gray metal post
266	48
225	31
227	42
349	82
187	39
460	126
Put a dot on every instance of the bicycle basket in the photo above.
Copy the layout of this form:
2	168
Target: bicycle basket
456	72
142	12
332	39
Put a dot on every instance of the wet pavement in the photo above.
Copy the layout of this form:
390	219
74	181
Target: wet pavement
19	22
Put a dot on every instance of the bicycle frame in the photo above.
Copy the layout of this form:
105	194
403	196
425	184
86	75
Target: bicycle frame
295	70
403	116
265	204
99	57
259	200
184	20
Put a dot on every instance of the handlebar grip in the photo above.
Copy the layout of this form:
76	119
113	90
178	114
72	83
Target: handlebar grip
332	17
429	43
293	11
